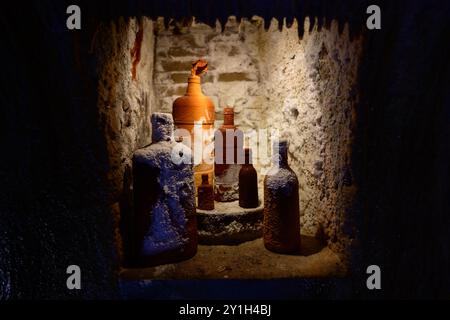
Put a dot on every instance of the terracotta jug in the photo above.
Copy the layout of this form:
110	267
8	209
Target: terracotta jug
195	109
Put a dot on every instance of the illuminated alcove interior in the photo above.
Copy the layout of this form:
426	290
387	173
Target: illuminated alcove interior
304	86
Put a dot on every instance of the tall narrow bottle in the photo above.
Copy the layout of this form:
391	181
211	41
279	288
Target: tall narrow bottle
281	204
248	183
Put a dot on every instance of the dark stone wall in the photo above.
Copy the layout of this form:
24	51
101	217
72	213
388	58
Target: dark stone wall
54	202
54	194
402	151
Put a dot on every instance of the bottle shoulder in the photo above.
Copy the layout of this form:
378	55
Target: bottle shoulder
163	151
277	177
246	168
206	187
190	100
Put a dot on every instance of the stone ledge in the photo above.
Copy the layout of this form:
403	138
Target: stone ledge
249	260
229	224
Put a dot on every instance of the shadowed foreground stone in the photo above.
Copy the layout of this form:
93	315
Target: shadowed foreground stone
249	260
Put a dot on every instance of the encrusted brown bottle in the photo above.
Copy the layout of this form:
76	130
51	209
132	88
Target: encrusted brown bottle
248	183
205	193
228	141
165	225
281	204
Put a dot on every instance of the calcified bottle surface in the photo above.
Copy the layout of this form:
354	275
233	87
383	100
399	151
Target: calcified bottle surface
281	204
165	226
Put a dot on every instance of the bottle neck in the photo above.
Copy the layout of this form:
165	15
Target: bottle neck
228	117
281	154
205	180
282	159
162	127
248	157
194	86
159	135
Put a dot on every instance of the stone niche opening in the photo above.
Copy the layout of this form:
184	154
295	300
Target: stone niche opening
304	86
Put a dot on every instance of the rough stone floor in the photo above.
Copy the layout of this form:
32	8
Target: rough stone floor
249	260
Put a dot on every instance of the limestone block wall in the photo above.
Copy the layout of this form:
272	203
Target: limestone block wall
234	71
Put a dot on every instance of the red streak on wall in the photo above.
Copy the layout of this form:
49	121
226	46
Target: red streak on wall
136	50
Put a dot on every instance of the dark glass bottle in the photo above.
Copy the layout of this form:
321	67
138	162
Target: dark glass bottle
205	193
248	183
281	204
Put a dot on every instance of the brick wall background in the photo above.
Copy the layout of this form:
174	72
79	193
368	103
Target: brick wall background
234	66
